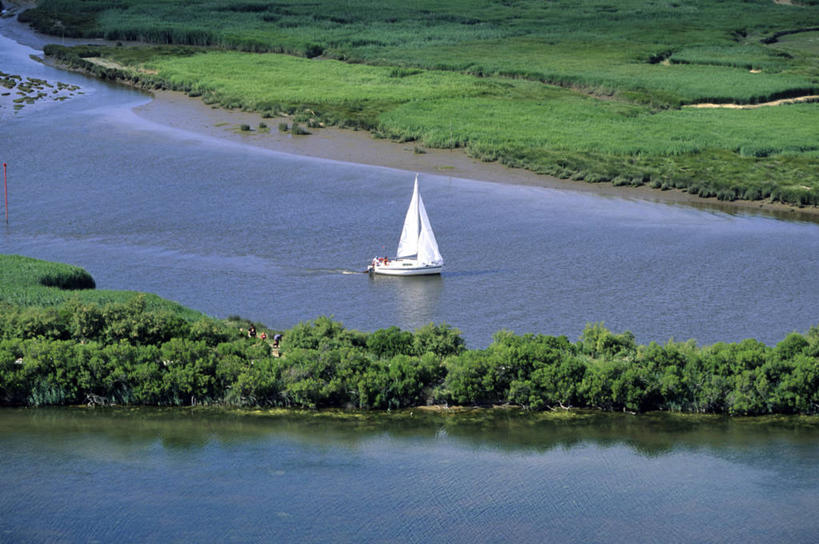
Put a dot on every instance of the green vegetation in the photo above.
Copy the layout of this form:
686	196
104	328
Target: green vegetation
127	352
610	48
31	90
27	282
541	36
588	90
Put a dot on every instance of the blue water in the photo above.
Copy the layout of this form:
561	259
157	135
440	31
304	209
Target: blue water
85	475
229	229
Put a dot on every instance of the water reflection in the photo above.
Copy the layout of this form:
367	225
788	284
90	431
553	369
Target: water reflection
419	299
411	476
506	430
416	299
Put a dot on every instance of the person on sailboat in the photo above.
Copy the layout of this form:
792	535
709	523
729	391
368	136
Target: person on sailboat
417	252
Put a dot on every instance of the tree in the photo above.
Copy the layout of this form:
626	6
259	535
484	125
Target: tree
597	341
387	343
442	340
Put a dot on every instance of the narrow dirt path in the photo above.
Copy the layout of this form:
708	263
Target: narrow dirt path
811	98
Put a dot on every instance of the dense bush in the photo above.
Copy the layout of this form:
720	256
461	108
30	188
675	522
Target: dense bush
122	353
135	350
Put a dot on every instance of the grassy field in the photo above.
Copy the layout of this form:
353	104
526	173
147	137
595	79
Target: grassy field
590	43
589	90
31	282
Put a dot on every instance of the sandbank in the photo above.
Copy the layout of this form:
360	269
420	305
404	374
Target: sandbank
176	109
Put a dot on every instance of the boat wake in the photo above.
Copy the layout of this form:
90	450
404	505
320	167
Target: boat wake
332	272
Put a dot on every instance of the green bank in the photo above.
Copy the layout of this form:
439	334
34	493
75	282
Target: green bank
588	90
64	343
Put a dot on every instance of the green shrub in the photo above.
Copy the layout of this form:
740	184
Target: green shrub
135	352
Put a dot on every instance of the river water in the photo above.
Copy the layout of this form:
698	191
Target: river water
230	229
146	475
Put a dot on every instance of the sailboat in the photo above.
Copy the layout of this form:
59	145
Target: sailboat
417	253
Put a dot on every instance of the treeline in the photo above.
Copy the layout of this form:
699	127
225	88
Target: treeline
124	353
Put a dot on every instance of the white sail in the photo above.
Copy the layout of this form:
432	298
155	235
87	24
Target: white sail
427	245
408	244
417	253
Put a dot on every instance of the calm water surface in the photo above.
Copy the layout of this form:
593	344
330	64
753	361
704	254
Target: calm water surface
230	229
85	475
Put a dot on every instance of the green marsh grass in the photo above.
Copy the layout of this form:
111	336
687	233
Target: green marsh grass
578	123
31	282
765	153
471	73
589	43
324	84
802	43
619	69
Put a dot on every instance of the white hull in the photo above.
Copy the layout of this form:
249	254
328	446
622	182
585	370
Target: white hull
417	253
404	267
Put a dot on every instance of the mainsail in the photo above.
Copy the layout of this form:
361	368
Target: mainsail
408	244
417	238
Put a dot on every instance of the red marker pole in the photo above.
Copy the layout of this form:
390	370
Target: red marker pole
6	191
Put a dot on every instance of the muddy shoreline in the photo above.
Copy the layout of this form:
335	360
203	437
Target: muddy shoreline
177	110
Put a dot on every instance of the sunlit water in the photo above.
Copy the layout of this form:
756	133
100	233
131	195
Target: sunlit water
85	475
235	230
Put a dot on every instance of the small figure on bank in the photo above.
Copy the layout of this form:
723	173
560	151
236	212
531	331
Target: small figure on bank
263	336
251	332
276	339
